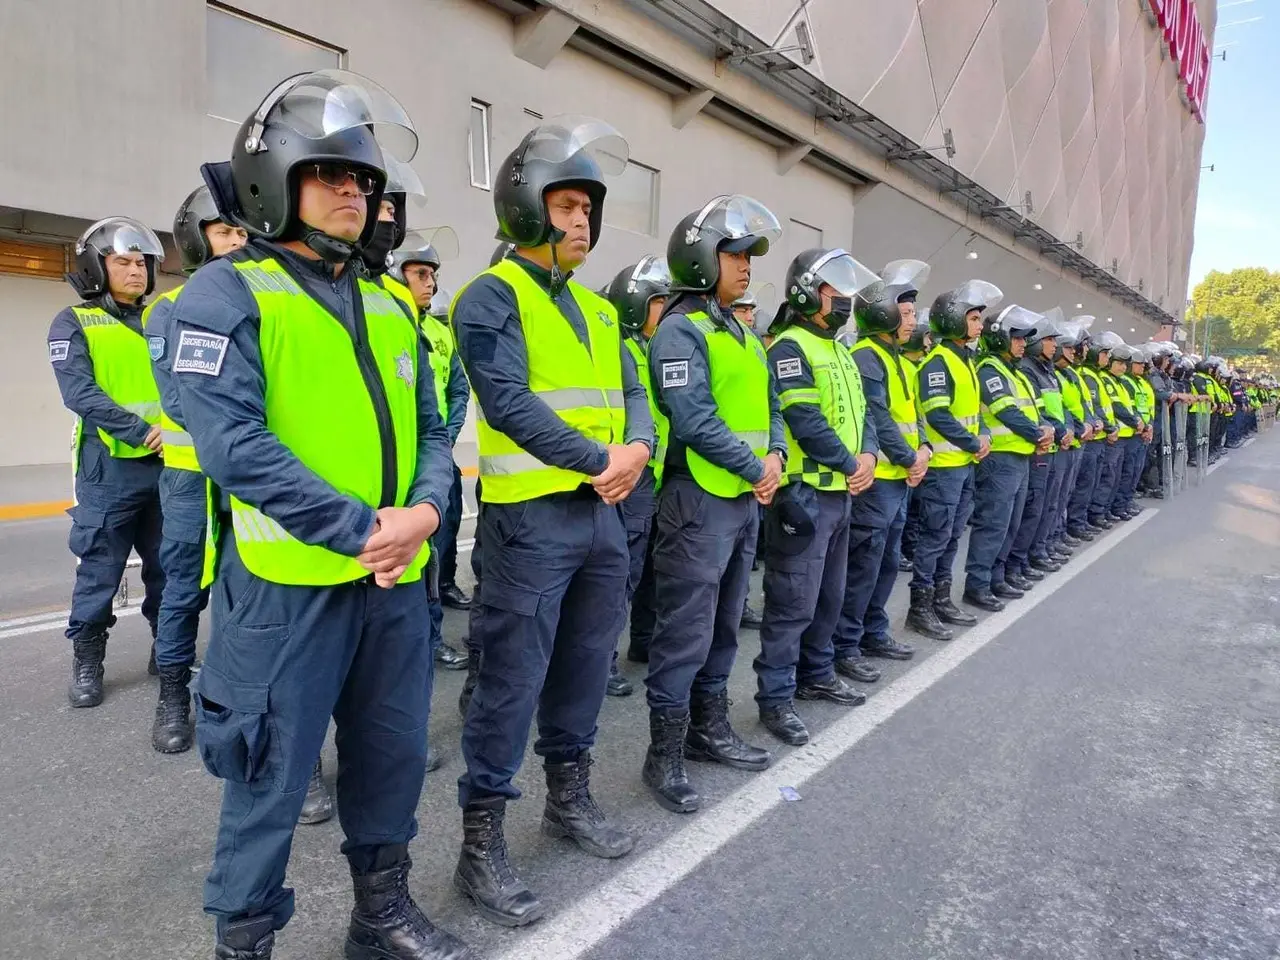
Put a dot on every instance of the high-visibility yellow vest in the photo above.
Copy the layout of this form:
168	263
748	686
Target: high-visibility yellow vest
437	334
356	426
900	383
838	393
179	450
583	387
122	368
661	426
739	374
1141	404
1119	397
1104	399
964	407
1020	395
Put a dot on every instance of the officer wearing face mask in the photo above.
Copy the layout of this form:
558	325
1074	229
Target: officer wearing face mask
100	358
200	235
327	489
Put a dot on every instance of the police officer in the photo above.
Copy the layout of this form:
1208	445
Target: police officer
885	317
1143	396
564	434
950	401
327	489
100	358
1159	378
1078	408
1132	429
1000	486
911	354
745	309
1030	556
200	235
1074	347
639	294
726	454
831	453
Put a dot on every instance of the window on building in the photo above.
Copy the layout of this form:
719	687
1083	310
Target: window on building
633	200
246	57
25	259
478	145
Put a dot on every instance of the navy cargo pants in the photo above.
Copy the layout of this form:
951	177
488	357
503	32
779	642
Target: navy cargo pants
1058	467
946	500
702	556
637	517
183	503
117	510
553	579
802	599
281	661
1082	489
1000	485
877	518
1109	465
1032	511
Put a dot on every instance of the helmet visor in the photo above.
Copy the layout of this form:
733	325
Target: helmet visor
838	269
121	235
1018	321
738	217
402	178
1108	340
652	270
440	302
442	240
978	295
908	274
320	104
560	138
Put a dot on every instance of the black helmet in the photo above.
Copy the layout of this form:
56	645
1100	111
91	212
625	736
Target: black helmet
196	213
1074	332
905	277
1050	327
920	340
1011	323
431	247
561	153
949	310
732	223
1104	342
813	269
113	235
635	287
329	116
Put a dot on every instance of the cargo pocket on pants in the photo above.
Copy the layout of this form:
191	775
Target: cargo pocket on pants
231	726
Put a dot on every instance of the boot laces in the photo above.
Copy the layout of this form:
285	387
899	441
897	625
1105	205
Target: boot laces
174	704
577	791
493	844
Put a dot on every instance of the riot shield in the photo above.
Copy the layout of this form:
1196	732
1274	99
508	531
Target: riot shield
1202	445
1180	446
1166	452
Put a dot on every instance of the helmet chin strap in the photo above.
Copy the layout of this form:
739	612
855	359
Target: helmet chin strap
330	249
557	276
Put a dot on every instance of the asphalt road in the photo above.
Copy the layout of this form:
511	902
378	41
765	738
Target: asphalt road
1092	774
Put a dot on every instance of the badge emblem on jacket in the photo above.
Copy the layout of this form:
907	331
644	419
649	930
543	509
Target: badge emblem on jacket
404	369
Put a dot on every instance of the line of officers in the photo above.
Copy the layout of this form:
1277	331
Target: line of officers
276	437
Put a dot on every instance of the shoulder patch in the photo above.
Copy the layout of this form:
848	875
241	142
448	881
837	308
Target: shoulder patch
789	368
994	384
58	350
938	379
155	347
200	353
675	373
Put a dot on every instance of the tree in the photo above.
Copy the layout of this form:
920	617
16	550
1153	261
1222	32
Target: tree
1241	308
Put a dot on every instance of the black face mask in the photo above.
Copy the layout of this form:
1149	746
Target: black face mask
379	247
841	309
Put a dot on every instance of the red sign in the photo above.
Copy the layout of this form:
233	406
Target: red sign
1185	37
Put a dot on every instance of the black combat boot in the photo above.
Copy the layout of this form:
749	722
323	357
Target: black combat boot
985	598
752	619
387	925
171	732
450	658
922	618
469	681
250	939
87	671
571	812
318	807
946	609
617	685
1006	591
484	873
711	737
784	723
664	771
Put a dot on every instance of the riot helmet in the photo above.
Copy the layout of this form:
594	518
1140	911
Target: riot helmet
1012	323
733	224
1104	342
403	187
634	288
921	339
813	269
431	247
948	317
196	213
112	236
904	278
334	124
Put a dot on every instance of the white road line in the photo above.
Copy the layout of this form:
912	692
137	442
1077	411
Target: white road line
39	623
598	914
1215	466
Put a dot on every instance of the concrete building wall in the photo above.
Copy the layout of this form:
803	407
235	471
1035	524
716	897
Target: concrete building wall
93	148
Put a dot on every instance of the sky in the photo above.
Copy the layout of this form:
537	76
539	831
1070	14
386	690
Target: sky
1238	214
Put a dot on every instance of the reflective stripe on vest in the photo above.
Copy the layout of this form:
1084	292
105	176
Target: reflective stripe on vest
179	449
661	426
900	381
1017	394
122	368
1119	397
1101	401
964	406
739	380
838	395
353	434
583	386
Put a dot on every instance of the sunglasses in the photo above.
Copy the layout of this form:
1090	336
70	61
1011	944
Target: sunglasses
336	175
